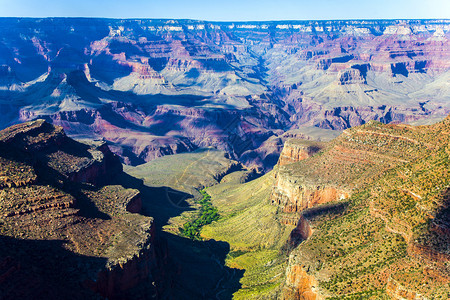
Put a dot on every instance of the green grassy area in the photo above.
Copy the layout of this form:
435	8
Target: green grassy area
264	271
184	172
252	228
187	172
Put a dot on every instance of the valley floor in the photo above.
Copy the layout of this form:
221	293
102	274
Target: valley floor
239	256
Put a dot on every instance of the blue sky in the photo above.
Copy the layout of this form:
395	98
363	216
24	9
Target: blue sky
229	10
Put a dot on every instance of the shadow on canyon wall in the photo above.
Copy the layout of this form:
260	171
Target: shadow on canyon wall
43	269
197	268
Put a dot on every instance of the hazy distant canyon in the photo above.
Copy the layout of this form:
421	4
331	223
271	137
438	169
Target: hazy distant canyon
157	87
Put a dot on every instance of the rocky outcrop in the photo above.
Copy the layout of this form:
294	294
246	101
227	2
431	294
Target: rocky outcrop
120	276
331	175
300	233
299	284
32	137
48	146
56	189
295	150
292	195
350	76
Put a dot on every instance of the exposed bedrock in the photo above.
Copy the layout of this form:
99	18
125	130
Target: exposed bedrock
299	284
292	195
300	233
48	146
379	164
295	150
309	113
350	76
160	87
67	233
142	269
140	137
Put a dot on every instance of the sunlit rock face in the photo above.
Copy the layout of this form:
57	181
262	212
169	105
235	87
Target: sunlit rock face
391	176
158	87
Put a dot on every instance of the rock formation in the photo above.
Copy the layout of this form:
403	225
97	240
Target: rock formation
64	233
160	87
299	285
295	150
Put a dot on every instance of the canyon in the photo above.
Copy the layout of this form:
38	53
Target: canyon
324	146
151	88
365	215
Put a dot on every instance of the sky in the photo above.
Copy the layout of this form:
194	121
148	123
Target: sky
230	10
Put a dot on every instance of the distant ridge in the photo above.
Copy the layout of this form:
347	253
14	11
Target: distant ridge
159	87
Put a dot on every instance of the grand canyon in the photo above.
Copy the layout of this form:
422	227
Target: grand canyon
182	159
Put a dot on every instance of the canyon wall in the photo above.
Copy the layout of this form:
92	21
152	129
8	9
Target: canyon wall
65	231
299	285
377	178
295	150
294	196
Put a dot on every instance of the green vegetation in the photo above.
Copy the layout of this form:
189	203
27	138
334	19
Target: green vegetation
399	175
208	214
255	233
184	171
395	217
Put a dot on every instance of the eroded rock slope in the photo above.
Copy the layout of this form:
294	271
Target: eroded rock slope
372	215
66	233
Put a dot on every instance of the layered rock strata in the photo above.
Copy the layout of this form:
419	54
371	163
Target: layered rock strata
62	235
160	87
296	149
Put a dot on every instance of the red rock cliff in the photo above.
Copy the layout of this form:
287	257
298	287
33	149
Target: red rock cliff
293	195
296	149
299	285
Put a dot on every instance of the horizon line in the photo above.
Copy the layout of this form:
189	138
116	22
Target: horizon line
235	21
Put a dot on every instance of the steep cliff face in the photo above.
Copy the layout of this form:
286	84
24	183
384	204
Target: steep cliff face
295	150
293	196
300	233
61	234
350	76
347	162
299	285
